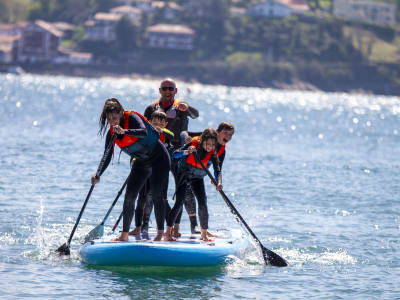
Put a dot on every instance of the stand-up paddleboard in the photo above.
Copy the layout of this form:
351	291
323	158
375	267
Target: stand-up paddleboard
187	251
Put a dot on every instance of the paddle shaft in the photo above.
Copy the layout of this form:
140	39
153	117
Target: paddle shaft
100	167
115	201
116	223
237	214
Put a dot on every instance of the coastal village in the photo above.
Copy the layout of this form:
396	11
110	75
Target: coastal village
255	43
41	42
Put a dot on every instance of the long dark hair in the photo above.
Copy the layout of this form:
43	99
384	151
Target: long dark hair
208	133
111	105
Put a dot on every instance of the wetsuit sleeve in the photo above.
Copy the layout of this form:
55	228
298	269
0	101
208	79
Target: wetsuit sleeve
193	112
178	153
217	170
109	156
221	161
137	128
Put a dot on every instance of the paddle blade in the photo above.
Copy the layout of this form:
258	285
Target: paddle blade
96	233
273	259
64	249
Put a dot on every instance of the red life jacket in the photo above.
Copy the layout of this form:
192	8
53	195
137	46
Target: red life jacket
174	105
220	151
191	160
127	140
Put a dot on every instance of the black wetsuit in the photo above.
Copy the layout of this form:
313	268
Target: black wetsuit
189	175
152	162
144	206
178	121
189	202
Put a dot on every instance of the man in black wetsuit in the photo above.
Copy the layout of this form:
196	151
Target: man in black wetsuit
178	113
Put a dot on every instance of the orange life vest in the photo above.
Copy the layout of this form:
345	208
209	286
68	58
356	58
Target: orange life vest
127	140
191	160
174	105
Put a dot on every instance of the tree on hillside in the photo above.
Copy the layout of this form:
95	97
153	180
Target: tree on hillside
126	34
73	11
13	11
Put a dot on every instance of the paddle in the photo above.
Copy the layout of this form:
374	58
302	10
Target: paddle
116	223
64	249
270	257
98	231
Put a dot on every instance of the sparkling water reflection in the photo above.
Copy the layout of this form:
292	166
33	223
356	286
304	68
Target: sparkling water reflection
315	175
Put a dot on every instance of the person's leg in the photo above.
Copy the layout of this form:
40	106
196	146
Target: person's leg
136	181
200	193
148	208
175	210
139	211
160	170
190	206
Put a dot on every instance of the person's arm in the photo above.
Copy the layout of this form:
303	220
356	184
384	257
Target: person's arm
217	170
137	128
193	112
186	136
95	179
178	153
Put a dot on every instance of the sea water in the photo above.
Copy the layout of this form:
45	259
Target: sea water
315	175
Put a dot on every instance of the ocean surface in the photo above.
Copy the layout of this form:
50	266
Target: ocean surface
315	175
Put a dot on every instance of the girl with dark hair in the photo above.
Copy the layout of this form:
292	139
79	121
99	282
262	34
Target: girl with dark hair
140	140
190	171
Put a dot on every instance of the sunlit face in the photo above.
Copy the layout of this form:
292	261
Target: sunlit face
158	122
209	145
224	136
168	90
114	118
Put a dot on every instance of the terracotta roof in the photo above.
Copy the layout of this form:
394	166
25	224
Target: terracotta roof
49	27
296	4
125	9
168	28
160	4
107	17
63	26
7	39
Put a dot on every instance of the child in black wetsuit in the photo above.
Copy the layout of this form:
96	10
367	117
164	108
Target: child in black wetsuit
190	171
144	205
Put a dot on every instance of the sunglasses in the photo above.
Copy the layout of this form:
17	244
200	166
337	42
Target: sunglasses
168	88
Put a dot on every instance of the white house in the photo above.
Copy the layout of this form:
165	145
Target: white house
378	13
39	42
167	36
102	27
278	8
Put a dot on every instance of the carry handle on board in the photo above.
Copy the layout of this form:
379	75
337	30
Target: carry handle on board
65	248
270	257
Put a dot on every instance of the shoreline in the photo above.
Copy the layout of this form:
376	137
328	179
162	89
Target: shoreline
293	83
